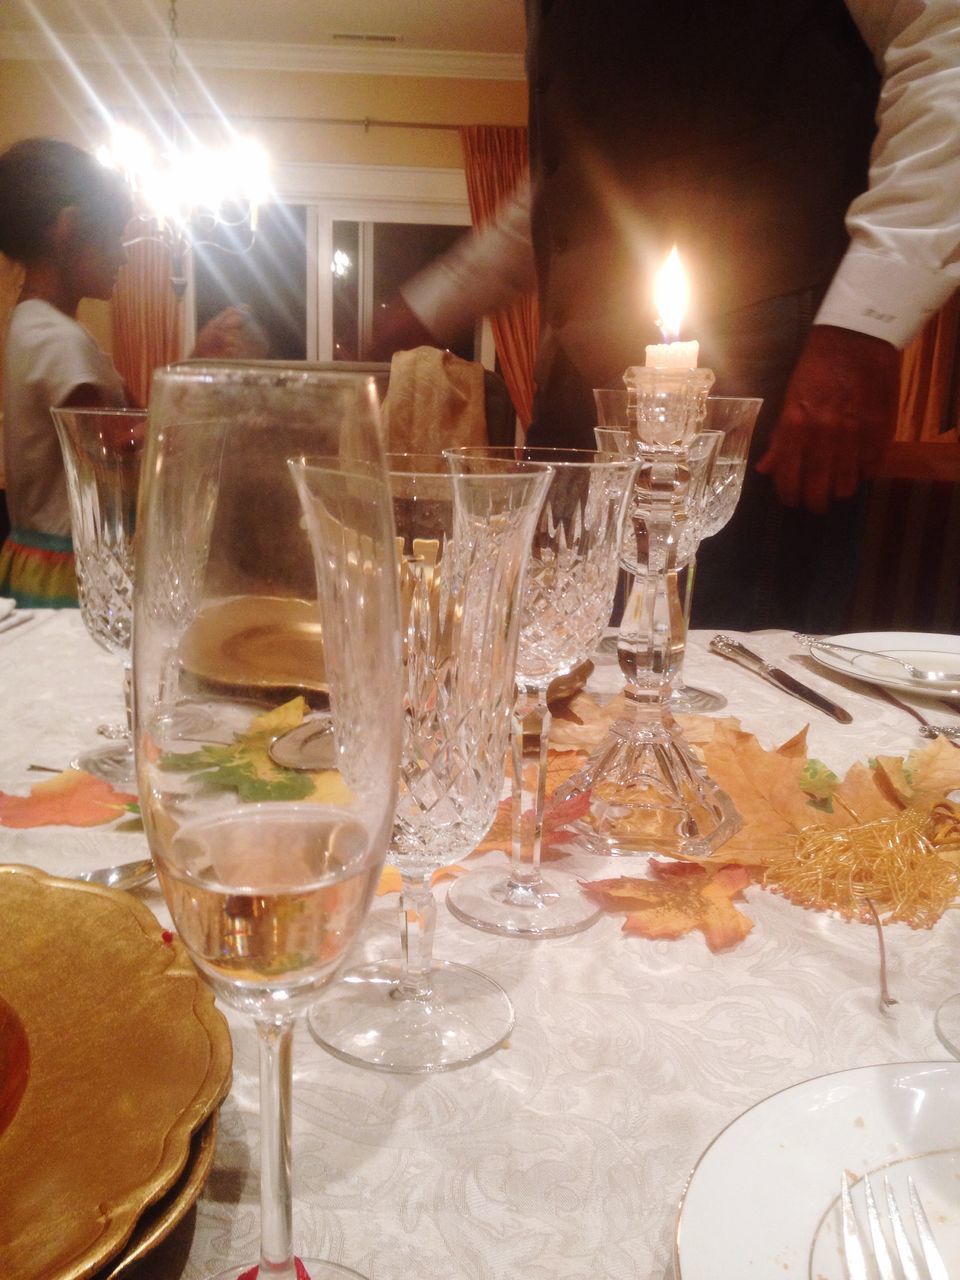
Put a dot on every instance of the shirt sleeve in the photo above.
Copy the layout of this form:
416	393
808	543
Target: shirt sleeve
903	261
482	273
64	357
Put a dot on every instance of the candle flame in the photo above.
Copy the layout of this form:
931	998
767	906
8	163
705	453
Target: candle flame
671	294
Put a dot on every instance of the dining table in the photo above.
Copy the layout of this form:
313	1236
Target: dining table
563	1155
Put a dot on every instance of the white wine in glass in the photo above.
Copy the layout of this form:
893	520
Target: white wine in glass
267	598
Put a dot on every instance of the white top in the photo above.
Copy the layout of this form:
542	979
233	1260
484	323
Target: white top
48	355
904	257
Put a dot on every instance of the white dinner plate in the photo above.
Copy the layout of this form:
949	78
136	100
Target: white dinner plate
762	1199
923	649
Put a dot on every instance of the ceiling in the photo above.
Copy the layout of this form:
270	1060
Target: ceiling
477	33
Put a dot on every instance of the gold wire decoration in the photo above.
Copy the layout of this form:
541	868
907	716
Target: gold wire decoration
894	863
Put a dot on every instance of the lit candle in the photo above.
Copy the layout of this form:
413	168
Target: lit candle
671	294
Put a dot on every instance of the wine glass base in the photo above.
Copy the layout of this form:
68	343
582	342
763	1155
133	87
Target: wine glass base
648	794
114	765
947	1024
686	699
363	1020
313	1268
488	899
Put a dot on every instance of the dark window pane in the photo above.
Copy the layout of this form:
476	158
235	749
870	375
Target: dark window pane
270	276
345	268
400	249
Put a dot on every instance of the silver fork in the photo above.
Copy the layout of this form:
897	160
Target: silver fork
858	1251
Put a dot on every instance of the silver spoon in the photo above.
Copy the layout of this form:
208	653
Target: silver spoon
128	875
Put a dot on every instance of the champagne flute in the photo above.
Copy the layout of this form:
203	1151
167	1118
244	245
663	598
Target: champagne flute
268	871
567	596
464	541
102	451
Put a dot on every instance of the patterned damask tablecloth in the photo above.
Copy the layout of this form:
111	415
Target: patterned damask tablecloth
564	1154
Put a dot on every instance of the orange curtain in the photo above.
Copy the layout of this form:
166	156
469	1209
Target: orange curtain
146	317
930	379
495	160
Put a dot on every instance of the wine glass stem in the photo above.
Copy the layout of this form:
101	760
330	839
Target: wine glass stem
275	1036
531	723
128	696
418	919
690	578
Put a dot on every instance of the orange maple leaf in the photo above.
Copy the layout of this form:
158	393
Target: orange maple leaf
684	896
556	817
71	799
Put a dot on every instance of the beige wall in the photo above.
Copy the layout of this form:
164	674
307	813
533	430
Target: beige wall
43	97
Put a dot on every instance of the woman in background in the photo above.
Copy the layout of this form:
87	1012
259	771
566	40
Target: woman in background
62	216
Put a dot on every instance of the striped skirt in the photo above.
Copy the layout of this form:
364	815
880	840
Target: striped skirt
36	569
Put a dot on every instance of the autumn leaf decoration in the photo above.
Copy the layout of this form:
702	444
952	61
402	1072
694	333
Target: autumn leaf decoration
245	765
681	897
70	799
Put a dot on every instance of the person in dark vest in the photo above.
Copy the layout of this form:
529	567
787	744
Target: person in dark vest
816	242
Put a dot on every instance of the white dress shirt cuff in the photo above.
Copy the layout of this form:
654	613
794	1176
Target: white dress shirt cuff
878	294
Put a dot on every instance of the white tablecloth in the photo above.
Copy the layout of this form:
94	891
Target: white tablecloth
565	1153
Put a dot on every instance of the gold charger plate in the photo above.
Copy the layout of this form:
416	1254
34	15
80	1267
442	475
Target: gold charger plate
119	1056
157	1221
256	643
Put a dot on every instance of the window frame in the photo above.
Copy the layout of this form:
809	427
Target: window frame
364	194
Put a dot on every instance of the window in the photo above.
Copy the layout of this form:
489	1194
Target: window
333	248
370	261
270	277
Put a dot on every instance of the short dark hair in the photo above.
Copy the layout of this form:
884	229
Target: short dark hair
41	176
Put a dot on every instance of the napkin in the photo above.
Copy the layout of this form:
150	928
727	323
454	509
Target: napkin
434	401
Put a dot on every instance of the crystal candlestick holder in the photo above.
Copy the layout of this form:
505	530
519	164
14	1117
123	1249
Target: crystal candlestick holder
665	407
648	794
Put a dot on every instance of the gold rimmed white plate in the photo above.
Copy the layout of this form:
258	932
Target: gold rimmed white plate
256	643
119	1056
762	1200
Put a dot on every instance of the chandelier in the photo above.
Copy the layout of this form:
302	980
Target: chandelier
183	188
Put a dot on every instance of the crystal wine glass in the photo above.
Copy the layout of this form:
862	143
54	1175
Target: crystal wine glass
276	593
464	543
102	451
734	417
567	596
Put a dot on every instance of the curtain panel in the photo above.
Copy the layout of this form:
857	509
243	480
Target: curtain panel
146	317
930	379
495	160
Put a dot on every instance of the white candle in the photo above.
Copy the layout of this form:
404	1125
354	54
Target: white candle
671	293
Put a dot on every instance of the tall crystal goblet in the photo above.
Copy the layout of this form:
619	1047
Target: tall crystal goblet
567	595
642	788
102	451
281	598
464	542
734	417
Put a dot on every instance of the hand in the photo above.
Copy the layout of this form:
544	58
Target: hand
397	328
839	415
231	335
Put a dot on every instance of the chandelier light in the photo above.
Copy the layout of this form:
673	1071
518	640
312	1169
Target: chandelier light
183	188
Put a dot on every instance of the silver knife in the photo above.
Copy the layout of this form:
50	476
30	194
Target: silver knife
15	619
729	648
